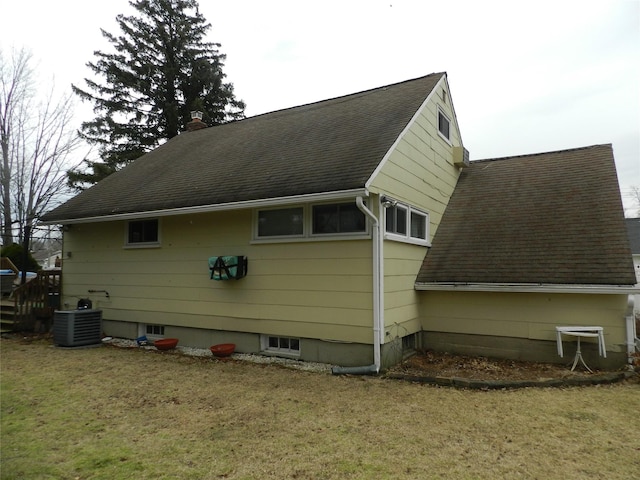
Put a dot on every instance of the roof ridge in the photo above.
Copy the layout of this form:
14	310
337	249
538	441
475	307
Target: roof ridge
566	150
345	96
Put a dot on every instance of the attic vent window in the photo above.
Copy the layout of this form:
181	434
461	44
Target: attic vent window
444	125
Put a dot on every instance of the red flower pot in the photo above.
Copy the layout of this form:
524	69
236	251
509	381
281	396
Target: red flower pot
223	350
166	343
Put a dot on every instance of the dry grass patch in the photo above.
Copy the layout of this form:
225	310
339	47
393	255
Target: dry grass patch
110	413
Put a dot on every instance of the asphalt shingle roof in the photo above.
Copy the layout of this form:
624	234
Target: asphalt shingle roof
550	218
321	147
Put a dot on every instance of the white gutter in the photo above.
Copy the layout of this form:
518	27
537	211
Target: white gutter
378	283
268	202
529	288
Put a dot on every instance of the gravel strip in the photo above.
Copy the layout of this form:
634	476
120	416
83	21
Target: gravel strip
246	357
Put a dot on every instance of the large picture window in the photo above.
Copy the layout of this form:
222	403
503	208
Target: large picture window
143	232
281	222
337	218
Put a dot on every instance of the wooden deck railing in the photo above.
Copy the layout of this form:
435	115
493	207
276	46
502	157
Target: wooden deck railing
37	299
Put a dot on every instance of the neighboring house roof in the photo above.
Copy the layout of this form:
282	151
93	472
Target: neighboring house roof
550	218
328	146
633	232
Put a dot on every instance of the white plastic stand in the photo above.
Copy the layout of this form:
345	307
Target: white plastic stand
579	332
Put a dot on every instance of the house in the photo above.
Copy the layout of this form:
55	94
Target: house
529	243
337	207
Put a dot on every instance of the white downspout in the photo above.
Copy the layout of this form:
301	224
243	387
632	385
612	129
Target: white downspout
631	331
378	299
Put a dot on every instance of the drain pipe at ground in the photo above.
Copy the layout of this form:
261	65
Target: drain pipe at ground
377	300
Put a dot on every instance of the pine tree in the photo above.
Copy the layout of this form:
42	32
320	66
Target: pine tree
162	69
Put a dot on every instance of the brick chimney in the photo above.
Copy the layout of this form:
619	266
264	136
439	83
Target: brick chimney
196	122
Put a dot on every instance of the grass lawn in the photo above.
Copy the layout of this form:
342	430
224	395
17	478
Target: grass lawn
113	413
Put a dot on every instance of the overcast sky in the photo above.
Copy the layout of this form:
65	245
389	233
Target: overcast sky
525	77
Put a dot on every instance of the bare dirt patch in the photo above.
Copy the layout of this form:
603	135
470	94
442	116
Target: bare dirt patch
436	364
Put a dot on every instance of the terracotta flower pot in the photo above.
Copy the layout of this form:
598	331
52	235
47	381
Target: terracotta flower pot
223	350
166	343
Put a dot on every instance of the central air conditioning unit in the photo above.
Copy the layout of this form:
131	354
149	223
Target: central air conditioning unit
74	328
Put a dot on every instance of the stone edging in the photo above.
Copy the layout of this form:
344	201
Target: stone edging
470	383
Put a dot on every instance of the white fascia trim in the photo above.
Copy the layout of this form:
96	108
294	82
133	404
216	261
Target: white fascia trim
528	288
268	202
387	155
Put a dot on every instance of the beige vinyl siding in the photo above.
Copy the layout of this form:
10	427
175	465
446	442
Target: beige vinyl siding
418	172
531	316
312	289
401	300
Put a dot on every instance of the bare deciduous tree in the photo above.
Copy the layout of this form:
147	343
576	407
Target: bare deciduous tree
634	193
37	138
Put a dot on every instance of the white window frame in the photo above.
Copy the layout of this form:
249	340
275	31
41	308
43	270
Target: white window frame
143	327
287	352
307	234
407	238
446	117
333	234
256	223
153	244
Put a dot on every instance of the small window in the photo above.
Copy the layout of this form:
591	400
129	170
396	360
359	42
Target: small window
155	330
418	225
443	125
338	218
281	222
142	232
286	345
409	343
396	218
